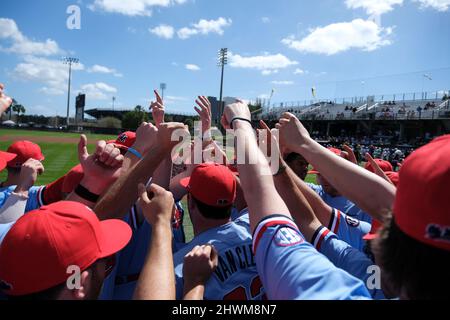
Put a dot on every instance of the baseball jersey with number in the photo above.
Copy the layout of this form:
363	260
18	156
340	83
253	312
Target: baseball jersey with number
343	256
291	269
349	229
341	203
236	277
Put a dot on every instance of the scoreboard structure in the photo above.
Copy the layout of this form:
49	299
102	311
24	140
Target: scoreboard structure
79	105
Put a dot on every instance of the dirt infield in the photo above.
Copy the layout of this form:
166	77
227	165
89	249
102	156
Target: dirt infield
43	139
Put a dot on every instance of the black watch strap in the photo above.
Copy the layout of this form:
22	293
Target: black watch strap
86	194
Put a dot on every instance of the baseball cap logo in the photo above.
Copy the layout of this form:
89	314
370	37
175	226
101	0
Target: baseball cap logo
122	138
437	232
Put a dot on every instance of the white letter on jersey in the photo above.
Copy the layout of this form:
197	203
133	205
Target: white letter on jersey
74	281
374	280
74	20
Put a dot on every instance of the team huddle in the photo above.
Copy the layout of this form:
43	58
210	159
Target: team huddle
112	227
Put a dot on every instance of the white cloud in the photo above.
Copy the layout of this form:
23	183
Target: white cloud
267	64
192	67
265	20
269	72
205	27
299	71
97	91
20	44
163	31
339	37
102	69
440	5
283	83
131	7
373	7
52	73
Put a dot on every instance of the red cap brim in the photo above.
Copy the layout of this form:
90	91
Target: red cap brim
370	236
7	156
116	235
185	182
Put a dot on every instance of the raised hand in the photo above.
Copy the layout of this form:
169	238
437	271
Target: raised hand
169	129
157	108
146	137
102	168
377	170
292	132
350	154
235	110
157	204
198	266
29	173
5	101
204	111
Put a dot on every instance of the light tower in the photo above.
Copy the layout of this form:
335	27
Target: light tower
70	61
223	61
163	87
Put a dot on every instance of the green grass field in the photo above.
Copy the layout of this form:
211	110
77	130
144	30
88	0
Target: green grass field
61	157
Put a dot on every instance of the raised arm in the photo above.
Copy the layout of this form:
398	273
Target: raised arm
157	278
123	193
367	190
257	182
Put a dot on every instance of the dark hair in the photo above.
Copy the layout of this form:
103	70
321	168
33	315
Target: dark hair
213	213
291	157
415	269
49	294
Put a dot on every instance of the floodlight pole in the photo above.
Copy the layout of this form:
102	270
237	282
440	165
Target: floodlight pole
70	61
223	60
163	87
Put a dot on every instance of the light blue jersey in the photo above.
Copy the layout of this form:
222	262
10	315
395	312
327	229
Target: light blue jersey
291	269
121	283
343	256
235	214
342	204
236	277
349	229
35	197
34	202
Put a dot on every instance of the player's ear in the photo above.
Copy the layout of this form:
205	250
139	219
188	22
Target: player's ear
85	283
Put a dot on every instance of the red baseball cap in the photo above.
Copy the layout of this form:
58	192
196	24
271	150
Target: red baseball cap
393	176
335	151
72	179
37	251
373	234
125	140
421	208
383	164
212	184
24	150
6	157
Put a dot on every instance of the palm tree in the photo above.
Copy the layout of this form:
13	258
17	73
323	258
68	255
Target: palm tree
18	108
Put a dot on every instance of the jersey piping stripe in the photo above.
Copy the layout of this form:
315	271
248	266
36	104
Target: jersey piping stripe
319	236
40	196
264	225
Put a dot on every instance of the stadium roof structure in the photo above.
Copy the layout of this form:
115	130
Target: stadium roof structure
102	113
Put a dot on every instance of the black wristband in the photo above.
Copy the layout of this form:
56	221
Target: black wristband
239	118
86	194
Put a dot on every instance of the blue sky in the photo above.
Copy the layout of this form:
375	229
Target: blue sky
126	48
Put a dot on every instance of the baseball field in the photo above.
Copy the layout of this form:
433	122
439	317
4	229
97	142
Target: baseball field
60	151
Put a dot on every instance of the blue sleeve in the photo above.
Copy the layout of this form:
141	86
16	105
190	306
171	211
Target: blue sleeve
291	268
343	256
349	229
35	200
